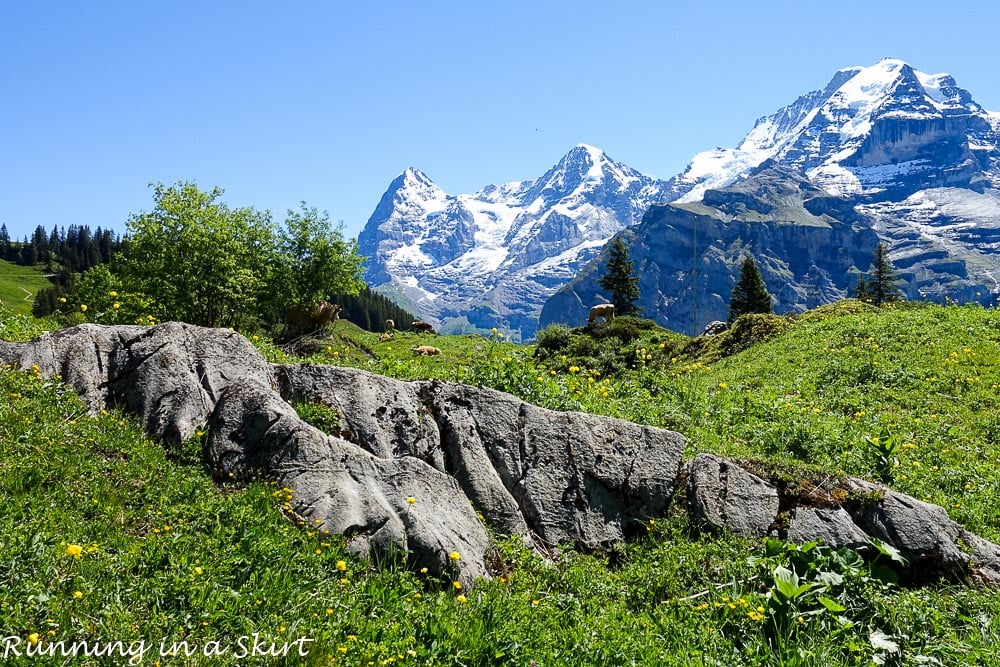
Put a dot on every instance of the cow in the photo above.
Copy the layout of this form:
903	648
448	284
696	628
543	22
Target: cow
424	350
605	310
301	318
422	327
390	326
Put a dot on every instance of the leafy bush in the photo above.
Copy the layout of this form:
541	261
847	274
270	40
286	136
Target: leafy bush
553	338
625	329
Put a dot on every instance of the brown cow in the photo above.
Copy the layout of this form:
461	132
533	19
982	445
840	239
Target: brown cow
424	350
302	318
422	327
605	310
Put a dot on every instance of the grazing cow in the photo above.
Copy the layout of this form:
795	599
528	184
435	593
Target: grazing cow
422	327
302	318
424	350
387	336
605	310
390	326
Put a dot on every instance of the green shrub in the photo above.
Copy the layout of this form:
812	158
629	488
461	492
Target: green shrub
553	338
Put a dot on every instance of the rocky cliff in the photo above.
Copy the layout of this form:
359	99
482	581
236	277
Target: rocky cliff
809	246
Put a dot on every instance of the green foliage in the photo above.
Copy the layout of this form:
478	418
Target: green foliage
619	279
750	295
553	338
882	449
321	416
879	287
314	260
197	260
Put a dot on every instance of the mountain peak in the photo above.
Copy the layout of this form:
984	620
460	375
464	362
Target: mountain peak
870	129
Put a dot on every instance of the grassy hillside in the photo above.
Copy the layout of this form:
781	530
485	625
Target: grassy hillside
18	285
105	536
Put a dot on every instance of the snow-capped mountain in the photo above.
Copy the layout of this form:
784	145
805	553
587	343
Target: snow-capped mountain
884	131
488	259
882	153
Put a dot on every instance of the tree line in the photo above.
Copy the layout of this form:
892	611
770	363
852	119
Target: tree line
72	249
194	259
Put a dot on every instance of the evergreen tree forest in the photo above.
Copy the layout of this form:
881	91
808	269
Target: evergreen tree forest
72	249
369	310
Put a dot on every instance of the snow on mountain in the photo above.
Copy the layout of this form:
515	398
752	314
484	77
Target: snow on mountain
945	242
872	129
488	259
882	153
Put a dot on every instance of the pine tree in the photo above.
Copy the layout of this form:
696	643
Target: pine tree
619	279
750	294
862	291
879	287
883	282
4	242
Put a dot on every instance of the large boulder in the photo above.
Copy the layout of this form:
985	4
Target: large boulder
171	375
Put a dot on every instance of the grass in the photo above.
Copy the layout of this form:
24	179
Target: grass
18	285
167	554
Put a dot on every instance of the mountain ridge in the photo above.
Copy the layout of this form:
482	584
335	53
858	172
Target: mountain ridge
471	262
907	155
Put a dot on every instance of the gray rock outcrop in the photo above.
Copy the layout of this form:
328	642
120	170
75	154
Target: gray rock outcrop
714	328
833	526
562	476
455	449
724	495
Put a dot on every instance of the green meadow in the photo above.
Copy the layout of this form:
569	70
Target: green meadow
107	536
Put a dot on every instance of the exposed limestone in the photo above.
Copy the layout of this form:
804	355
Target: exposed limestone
833	526
714	328
458	450
171	375
340	488
724	495
564	476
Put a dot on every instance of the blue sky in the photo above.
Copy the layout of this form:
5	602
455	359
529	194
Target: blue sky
327	102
